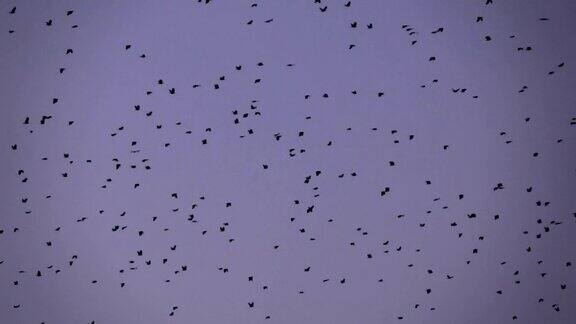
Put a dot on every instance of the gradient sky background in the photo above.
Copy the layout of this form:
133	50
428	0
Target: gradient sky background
188	43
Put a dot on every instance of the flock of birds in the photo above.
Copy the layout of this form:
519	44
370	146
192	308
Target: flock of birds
296	187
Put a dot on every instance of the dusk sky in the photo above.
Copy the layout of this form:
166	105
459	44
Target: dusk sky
287	161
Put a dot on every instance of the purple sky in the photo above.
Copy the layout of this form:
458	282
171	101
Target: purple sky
487	110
